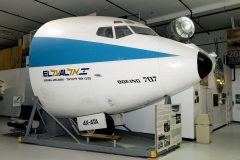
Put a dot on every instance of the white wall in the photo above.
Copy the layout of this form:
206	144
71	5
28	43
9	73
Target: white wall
186	99
218	114
17	81
143	120
236	90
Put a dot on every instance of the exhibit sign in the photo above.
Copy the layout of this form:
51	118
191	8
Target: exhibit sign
167	127
232	57
162	136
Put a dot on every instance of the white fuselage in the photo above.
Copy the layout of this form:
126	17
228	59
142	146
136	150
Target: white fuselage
75	72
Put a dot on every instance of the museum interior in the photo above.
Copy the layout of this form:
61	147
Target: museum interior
120	79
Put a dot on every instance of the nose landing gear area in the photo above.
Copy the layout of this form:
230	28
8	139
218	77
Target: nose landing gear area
105	131
110	126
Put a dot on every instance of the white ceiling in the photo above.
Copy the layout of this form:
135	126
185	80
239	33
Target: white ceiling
154	11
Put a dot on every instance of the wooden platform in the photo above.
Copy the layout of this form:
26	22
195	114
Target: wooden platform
101	136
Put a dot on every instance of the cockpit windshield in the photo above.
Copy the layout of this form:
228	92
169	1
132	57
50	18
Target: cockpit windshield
143	30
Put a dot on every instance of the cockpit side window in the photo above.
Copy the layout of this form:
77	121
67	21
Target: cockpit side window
105	32
122	31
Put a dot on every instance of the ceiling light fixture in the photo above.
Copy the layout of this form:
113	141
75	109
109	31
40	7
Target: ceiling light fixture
181	29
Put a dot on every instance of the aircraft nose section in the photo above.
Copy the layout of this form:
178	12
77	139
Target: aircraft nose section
204	65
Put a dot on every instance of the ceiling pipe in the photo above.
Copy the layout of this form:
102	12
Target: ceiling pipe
127	11
43	3
206	31
130	15
204	15
218	12
191	16
212	43
216	29
13	29
191	12
16	15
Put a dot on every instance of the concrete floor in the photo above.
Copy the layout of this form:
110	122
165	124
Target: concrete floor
225	146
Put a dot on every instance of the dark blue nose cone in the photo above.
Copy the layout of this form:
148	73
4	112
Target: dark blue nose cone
204	65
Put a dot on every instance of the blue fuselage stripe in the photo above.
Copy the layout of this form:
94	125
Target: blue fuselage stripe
46	51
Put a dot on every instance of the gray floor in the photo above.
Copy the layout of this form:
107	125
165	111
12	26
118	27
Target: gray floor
225	146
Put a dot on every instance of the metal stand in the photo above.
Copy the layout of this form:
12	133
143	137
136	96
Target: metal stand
36	107
104	147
